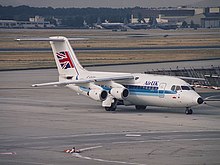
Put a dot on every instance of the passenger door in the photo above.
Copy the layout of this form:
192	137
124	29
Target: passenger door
161	90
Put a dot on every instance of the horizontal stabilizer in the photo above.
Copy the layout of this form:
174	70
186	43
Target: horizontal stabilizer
50	39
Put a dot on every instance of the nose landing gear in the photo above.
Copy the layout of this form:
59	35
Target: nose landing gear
188	111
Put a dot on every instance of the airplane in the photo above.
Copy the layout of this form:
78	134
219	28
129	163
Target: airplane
161	24
138	26
108	25
116	25
113	89
167	26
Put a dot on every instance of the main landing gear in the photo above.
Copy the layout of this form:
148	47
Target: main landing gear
188	111
140	107
113	106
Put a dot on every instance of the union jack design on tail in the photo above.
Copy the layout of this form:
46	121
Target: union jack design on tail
65	60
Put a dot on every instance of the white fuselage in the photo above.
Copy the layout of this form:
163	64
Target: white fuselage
150	90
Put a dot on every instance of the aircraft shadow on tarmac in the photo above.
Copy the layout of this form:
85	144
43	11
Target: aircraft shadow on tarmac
165	110
201	110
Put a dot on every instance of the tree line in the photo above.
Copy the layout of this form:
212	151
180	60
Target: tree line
71	17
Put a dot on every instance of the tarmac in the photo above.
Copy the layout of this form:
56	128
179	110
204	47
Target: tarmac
38	124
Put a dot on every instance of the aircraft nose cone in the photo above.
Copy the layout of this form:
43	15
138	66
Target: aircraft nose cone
200	100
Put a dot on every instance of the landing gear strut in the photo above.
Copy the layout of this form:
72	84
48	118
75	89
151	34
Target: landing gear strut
188	111
113	106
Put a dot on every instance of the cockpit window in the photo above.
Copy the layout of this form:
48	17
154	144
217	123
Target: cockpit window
173	88
178	88
185	88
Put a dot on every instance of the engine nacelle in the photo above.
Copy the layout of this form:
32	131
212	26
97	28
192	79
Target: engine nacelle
119	93
98	95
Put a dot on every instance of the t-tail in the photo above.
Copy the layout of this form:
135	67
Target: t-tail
67	63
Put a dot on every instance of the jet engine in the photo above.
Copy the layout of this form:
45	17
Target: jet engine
98	95
119	93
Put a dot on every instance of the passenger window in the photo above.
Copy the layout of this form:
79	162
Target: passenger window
178	88
185	88
173	88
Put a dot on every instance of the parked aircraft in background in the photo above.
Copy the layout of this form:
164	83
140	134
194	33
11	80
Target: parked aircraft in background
152	23
137	26
161	24
167	26
107	25
113	89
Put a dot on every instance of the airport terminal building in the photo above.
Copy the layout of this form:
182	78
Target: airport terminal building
206	18
35	22
172	15
202	17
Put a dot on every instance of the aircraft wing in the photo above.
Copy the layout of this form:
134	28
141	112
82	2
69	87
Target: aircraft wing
84	81
62	83
119	78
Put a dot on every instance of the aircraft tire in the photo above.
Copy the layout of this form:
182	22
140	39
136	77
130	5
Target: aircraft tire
188	111
140	107
110	108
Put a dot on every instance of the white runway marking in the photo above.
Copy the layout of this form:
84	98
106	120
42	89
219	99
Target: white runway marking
132	135
8	153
